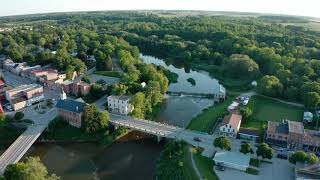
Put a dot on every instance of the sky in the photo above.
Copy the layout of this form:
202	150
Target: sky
289	7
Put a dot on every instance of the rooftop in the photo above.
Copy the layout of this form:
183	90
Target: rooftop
235	158
123	98
71	105
252	132
233	119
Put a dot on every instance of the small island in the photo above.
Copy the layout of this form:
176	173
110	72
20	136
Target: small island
192	81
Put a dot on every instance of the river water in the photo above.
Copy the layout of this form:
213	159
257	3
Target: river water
134	156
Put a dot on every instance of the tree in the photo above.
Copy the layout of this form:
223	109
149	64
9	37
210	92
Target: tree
265	151
246	148
311	100
18	116
94	120
301	156
139	103
223	143
270	86
240	66
246	112
30	170
69	71
119	89
96	91
86	79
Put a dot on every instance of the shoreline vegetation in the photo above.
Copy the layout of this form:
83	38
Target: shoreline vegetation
191	81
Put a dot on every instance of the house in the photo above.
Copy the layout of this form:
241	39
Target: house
24	95
307	117
44	75
249	134
230	125
120	104
234	160
76	87
26	71
71	111
286	133
219	93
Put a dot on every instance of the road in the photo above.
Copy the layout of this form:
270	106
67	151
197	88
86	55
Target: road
21	145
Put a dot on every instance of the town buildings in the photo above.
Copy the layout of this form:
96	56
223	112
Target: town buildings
219	93
230	125
24	95
120	104
249	134
71	111
76	87
291	134
234	160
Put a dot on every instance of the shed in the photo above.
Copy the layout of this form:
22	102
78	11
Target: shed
250	134
234	160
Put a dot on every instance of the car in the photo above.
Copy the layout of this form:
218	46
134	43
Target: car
197	139
282	156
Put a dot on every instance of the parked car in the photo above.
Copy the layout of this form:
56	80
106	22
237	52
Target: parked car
197	139
245	102
282	156
220	167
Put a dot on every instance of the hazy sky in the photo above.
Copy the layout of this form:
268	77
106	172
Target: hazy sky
291	7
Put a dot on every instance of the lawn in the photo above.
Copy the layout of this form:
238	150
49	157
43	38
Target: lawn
108	73
205	166
265	109
188	171
207	119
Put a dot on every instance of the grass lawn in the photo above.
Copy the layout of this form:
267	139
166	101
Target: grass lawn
9	133
207	119
254	162
188	171
265	109
108	73
205	166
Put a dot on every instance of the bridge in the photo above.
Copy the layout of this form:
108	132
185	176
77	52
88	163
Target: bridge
168	131
21	145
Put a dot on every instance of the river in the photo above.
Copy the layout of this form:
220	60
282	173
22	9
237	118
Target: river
134	156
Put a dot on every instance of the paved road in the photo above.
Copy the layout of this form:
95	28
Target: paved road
16	151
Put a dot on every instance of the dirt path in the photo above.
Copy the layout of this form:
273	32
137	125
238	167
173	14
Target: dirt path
194	165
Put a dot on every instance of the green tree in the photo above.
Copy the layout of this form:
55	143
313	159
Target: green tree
246	112
311	100
86	79
18	116
69	71
31	169
265	151
119	89
139	103
223	143
240	66
270	86
94	120
301	156
246	148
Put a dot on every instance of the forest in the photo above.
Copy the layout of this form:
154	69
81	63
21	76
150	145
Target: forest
284	59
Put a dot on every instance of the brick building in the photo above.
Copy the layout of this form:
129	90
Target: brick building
71	111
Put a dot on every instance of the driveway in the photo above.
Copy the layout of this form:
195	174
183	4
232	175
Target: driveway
107	79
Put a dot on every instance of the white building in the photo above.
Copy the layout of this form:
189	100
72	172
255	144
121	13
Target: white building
230	125
120	104
220	93
307	117
233	160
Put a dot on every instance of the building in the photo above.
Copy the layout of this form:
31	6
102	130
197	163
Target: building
234	160
44	75
230	125
307	117
307	172
286	133
220	93
76	87
120	104
71	111
24	95
26	71
249	134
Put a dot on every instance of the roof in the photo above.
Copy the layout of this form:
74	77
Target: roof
295	127
309	172
307	115
44	70
71	105
235	158
233	119
252	132
1	82
123	98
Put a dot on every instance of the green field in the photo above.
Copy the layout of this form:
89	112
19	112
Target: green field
108	73
207	119
205	166
265	109
188	171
